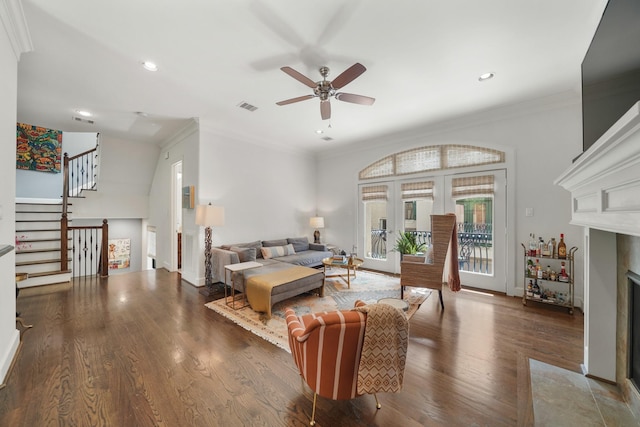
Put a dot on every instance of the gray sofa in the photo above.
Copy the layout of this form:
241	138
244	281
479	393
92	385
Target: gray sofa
305	254
275	256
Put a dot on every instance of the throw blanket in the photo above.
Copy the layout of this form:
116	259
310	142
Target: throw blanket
259	287
454	272
384	349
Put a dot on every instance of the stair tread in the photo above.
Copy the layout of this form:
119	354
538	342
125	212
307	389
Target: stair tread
39	220
35	251
37	262
55	239
48	273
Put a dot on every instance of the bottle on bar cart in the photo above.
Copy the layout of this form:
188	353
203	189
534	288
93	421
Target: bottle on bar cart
562	248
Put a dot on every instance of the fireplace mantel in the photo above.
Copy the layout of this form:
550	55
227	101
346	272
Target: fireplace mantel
605	180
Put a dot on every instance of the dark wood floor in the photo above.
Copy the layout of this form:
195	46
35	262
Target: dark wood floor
141	349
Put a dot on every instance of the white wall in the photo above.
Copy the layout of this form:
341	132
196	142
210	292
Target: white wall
126	173
266	193
543	137
9	336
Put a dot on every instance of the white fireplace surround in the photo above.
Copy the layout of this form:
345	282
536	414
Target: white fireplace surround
605	199
605	180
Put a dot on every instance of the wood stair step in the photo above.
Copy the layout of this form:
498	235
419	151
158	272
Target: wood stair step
42	240
35	251
49	273
42	261
39	220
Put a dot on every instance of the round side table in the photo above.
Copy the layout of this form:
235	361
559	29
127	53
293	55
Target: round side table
396	302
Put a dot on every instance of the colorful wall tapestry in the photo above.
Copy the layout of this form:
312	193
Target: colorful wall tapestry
119	253
39	149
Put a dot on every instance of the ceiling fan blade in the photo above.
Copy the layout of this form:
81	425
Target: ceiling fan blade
348	75
356	99
298	99
325	109
299	77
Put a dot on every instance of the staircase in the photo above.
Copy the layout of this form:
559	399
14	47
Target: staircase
38	244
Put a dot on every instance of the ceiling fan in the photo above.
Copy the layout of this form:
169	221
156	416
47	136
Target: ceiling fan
324	89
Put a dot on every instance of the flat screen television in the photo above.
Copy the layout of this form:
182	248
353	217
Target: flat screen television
611	69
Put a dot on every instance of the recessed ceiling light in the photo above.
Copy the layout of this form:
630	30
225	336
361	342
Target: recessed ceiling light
150	66
319	131
84	113
486	76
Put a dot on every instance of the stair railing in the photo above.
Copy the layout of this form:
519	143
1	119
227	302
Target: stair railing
89	243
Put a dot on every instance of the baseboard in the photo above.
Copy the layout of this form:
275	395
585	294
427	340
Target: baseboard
9	358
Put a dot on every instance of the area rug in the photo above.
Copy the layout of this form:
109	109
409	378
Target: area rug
367	286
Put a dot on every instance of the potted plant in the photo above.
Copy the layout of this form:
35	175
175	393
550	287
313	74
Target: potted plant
406	244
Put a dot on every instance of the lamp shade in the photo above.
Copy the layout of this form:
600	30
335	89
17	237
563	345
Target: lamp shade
316	222
209	216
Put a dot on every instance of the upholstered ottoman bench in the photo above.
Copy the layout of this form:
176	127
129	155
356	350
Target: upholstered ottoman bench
277	281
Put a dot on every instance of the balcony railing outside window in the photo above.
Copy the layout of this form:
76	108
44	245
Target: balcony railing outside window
475	246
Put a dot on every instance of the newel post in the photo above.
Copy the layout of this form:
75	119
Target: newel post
104	256
64	233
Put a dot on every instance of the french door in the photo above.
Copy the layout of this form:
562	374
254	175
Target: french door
478	199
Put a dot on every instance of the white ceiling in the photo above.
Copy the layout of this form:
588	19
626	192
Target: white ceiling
423	59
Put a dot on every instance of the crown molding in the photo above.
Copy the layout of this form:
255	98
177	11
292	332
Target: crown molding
15	25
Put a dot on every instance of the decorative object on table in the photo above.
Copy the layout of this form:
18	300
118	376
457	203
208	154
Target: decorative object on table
316	222
188	197
368	287
38	148
208	216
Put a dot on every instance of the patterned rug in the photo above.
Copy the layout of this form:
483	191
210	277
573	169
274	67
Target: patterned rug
368	287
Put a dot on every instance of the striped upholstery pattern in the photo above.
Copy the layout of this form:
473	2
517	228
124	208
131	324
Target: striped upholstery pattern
326	348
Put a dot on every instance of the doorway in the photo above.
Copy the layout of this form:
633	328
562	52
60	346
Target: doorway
176	216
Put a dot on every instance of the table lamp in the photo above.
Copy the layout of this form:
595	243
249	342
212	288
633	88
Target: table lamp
316	222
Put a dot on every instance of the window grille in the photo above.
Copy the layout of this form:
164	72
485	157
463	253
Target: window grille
431	158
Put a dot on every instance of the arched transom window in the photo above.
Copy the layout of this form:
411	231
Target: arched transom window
431	158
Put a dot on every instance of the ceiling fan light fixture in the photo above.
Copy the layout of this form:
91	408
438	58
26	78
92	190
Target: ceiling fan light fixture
150	66
84	113
486	76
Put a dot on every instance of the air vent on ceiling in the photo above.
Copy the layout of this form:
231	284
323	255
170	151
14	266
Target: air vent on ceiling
80	119
247	106
327	138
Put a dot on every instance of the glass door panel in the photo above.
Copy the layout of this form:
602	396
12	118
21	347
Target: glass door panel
375	232
479	202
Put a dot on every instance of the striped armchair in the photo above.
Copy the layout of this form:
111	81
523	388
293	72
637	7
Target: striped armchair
327	348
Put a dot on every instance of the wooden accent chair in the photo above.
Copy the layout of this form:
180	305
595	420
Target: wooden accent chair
414	271
332	351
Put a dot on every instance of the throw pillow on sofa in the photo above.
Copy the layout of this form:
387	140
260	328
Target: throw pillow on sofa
300	244
244	254
257	245
278	242
277	251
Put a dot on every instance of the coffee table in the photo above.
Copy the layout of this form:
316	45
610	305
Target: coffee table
350	266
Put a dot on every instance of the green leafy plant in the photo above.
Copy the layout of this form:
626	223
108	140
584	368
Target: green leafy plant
406	244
